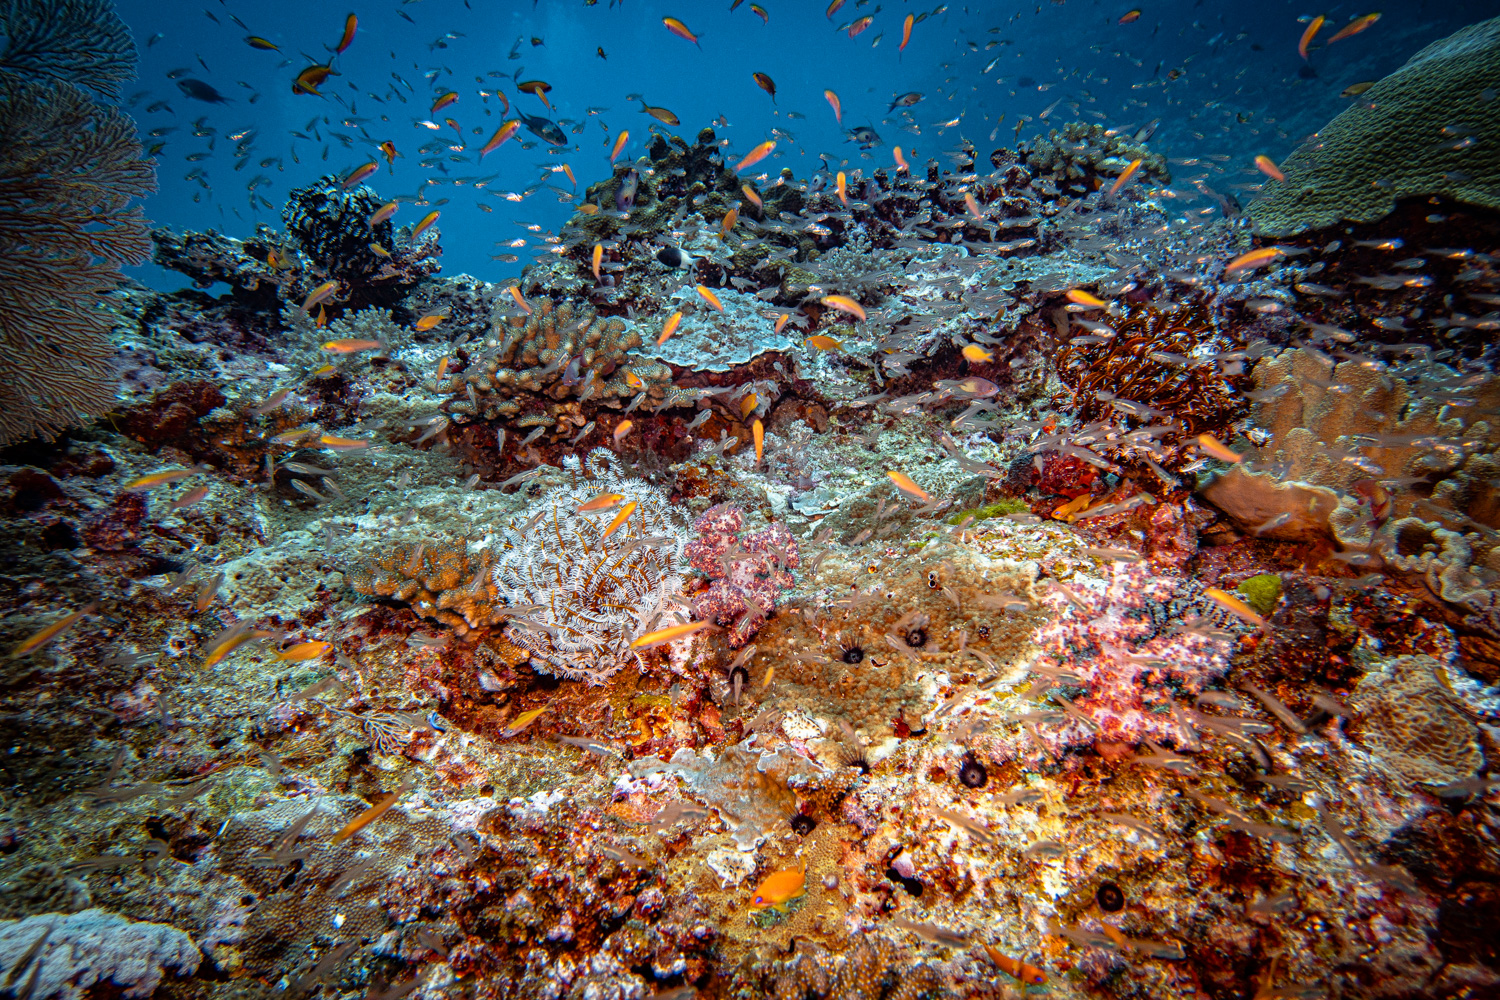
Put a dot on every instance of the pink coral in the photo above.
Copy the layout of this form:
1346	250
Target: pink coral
1131	655
746	573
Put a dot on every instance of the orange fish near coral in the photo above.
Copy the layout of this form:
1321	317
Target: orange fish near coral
1253	259
1216	448
905	485
429	321
342	444
843	188
1028	974
303	651
323	292
360	173
382	213
710	297
1079	297
523	721
976	354
515	293
621	517
665	635
1307	36
426	223
749	192
620	142
670	328
727	225
844	303
779	888
370	815
755	155
758	432
901	165
603	501
598	259
1267	166
1124	178
162	478
1234	606
1354	27
52	631
621	430
352	346
823	343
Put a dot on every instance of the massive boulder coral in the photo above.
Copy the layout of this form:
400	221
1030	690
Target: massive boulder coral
57	955
1411	719
1430	128
558	351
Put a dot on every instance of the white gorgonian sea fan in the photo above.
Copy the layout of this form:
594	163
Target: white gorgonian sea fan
578	601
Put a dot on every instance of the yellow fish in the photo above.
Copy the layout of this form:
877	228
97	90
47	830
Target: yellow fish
515	293
619	145
1234	606
426	223
360	173
1354	27
1267	166
1217	449
748	404
342	444
502	134
352	346
523	720
1124	178
843	188
823	343
756	155
603	501
369	816
324	291
1082	298
833	102
710	297
779	888
749	192
155	479
1307	36
622	429
429	321
670	328
1255	258
598	258
759	433
620	518
727	226
977	354
902	167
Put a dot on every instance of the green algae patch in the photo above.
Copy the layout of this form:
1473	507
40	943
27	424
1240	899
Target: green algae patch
998	509
1261	592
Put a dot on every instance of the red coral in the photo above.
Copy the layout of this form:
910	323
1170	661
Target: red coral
747	574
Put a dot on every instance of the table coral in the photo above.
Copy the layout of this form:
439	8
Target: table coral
746	574
1396	142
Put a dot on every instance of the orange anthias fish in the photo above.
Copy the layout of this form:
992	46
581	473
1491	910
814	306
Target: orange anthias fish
710	297
614	154
598	259
906	31
162	478
905	485
779	888
515	293
666	635
977	354
1079	297
823	343
537	88
603	501
303	651
342	444
833	102
323	292
1234	606
843	189
844	303
1028	974
901	165
749	192
1267	166
524	721
860	25
765	83
382	213
370	815
310	79
679	29
389	149
758	432
1124	178
360	173
622	429
429	321
620	518
1255	258
51	632
1307	36
426	223
502	133
727	225
265	45
351	24
1129	16
756	155
834	7
1355	26
352	346
670	328
1217	449
443	101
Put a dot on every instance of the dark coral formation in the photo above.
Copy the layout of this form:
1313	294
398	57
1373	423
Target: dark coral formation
331	225
1083	158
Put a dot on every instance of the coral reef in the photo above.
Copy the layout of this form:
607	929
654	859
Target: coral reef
63	955
544	353
81	42
746	573
1410	717
1385	147
1079	158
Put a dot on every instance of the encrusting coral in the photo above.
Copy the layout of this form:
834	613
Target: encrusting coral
1410	717
544	352
57	955
1402	138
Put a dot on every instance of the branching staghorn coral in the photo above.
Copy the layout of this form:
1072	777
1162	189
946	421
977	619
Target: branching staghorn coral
536	353
577	597
69	169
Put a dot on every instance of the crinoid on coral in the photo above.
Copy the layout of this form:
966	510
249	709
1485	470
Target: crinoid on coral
331	224
1158	364
559	351
1119	660
747	573
578	597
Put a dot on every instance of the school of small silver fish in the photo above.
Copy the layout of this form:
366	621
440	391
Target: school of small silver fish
928	569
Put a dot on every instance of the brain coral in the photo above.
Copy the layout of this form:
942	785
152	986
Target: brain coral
1426	129
1409	716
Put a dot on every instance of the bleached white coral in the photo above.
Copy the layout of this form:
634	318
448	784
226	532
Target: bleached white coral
579	599
63	954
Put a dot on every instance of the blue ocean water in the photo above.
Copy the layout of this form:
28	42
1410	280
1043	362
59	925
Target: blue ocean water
1222	83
